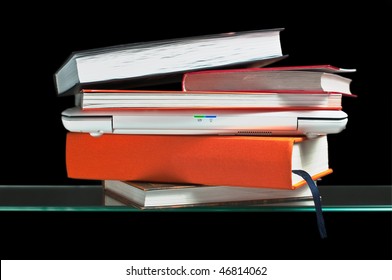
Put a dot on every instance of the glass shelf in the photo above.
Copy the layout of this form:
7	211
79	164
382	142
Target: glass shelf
334	199
370	208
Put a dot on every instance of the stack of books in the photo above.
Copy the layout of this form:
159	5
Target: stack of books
200	121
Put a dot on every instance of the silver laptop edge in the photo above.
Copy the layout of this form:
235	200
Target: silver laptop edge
207	122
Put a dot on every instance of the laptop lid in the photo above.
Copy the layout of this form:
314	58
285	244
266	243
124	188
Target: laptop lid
215	122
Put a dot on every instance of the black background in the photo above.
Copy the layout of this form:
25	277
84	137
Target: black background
36	40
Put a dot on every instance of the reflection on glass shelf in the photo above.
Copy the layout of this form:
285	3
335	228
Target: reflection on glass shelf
91	198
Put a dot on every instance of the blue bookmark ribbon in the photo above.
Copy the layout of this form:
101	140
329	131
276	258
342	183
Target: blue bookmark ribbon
316	198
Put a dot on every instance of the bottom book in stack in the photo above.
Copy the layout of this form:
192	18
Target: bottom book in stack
149	195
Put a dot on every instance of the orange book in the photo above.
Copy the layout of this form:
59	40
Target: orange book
249	161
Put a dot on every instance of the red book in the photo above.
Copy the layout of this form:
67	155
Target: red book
312	78
249	161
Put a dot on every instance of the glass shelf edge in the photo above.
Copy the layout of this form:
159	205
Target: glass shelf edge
375	208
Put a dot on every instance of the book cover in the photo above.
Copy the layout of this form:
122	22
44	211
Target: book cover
164	61
248	161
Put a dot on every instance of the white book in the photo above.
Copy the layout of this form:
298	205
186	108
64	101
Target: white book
164	61
149	195
128	99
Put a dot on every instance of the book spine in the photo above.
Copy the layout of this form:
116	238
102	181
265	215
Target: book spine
249	161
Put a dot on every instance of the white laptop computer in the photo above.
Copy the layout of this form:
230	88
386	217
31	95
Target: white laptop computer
215	122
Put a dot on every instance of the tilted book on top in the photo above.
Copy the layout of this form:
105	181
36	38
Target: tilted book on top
164	61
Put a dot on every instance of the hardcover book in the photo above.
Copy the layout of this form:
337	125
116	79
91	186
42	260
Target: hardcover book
164	61
125	99
312	78
148	195
245	161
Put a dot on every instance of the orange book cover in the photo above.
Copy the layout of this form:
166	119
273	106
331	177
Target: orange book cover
251	161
